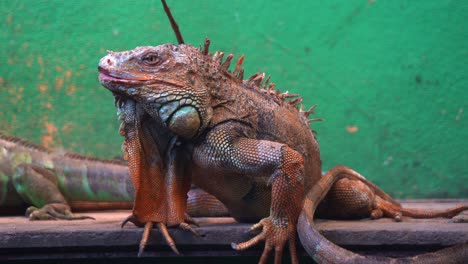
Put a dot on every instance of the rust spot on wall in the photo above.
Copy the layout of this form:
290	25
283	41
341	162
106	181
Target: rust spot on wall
42	88
59	83
16	95
51	128
352	129
47	140
71	90
19	94
67	128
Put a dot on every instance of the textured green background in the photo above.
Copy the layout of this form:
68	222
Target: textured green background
390	77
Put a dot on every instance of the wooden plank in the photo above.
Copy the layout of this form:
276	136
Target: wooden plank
21	238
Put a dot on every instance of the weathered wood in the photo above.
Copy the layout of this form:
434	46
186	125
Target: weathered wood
24	239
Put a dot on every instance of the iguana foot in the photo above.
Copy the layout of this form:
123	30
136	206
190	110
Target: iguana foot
147	230
53	211
190	220
461	218
275	234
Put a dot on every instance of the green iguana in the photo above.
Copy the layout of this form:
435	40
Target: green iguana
187	118
54	183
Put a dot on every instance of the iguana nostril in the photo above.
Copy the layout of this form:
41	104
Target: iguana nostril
109	61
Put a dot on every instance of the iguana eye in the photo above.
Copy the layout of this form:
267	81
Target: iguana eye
151	59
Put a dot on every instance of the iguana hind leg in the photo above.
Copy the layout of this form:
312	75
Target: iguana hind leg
356	199
38	186
324	251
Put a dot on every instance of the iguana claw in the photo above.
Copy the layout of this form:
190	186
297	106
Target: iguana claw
144	239
462	218
190	220
187	227
53	212
164	231
132	219
275	237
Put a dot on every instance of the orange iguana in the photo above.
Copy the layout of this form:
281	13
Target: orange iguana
187	119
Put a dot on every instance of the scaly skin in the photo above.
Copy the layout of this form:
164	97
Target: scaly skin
185	118
55	183
356	199
323	251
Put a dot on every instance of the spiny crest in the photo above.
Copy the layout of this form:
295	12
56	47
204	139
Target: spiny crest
218	57
23	142
206	46
258	80
309	112
77	156
33	146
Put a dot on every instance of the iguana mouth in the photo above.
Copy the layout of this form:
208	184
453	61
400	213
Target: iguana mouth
109	80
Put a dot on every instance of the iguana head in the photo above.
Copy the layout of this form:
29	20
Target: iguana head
164	80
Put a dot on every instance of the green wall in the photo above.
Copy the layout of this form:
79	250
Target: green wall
390	77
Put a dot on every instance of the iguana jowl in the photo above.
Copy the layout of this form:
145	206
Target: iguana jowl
187	118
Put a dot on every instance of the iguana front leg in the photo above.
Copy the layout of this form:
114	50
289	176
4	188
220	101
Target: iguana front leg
38	186
277	163
160	185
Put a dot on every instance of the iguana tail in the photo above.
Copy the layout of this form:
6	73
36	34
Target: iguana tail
324	251
392	210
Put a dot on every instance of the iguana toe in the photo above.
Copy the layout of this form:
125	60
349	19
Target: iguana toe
148	226
168	238
461	218
144	239
132	219
164	232
275	238
190	220
187	227
53	212
38	214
